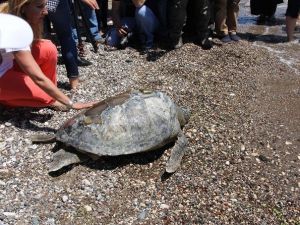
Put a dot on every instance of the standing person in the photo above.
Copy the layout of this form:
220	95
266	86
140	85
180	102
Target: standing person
176	17
226	13
292	14
102	15
196	13
198	17
60	16
265	9
28	74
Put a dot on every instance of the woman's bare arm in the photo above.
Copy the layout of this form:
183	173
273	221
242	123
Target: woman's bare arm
28	64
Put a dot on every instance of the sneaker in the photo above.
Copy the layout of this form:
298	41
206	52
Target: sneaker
234	37
83	62
226	39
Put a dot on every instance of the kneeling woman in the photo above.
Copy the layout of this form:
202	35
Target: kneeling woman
28	75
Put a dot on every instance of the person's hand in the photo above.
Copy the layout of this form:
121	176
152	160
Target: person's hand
122	31
91	3
82	105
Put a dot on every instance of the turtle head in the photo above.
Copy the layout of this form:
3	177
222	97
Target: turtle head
183	115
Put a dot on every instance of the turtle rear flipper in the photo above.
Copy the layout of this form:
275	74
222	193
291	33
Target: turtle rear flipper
40	138
177	153
64	158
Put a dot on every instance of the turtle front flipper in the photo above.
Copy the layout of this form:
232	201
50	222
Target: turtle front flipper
177	153
64	158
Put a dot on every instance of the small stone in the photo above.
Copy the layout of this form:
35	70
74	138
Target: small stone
35	221
263	158
243	148
143	214
88	208
86	182
10	214
227	163
65	198
8	124
33	147
164	206
288	143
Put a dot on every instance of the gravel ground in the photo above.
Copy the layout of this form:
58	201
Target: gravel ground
242	163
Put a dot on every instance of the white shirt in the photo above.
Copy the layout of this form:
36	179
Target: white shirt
8	59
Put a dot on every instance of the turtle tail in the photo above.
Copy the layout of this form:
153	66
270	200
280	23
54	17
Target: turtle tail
40	138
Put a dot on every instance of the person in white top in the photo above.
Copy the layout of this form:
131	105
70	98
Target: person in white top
28	62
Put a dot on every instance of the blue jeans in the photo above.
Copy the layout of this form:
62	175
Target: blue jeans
113	39
90	14
61	20
146	23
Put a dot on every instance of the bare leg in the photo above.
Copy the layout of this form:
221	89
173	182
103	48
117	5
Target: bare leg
290	27
177	153
74	83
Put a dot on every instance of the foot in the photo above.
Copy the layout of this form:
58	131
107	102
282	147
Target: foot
74	83
226	39
234	37
261	19
83	62
205	43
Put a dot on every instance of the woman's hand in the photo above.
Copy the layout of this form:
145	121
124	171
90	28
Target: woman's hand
83	105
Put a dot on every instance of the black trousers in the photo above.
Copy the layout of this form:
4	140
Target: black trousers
193	14
176	17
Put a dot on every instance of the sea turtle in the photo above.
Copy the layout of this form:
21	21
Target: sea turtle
131	122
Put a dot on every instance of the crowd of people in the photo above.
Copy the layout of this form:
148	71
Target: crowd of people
28	71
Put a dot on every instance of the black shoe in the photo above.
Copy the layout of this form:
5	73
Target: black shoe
226	39
261	20
83	62
205	43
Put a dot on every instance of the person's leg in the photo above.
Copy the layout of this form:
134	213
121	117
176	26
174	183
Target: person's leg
90	14
102	14
292	14
176	16
200	20
290	27
18	89
147	23
61	20
220	17
232	14
162	17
